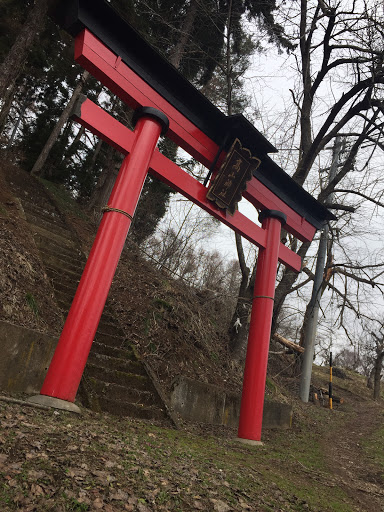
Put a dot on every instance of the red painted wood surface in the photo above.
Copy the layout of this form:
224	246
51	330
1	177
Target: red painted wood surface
106	66
92	55
67	366
114	133
255	371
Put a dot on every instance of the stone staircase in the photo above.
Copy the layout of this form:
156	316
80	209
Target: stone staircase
114	380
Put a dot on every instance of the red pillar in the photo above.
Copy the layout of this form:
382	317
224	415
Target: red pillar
255	372
67	366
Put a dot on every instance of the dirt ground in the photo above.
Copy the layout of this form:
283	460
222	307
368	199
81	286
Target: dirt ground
355	470
54	460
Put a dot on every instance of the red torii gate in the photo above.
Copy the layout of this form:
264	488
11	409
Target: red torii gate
165	102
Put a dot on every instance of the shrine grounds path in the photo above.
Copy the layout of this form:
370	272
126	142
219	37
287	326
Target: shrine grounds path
329	461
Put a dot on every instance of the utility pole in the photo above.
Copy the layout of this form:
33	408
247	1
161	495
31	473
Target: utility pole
311	327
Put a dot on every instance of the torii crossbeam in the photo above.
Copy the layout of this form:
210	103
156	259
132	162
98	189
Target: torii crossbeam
166	103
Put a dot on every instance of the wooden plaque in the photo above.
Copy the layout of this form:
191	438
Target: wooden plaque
231	180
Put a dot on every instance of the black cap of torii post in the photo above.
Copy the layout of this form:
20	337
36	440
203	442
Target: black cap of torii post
152	112
276	214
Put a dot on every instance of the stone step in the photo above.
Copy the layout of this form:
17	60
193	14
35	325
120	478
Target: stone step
73	257
131	380
46	243
110	329
48	212
27	199
116	363
64	290
112	341
108	323
68	276
50	226
64	301
121	393
105	328
108	316
39	232
118	408
62	263
108	350
44	203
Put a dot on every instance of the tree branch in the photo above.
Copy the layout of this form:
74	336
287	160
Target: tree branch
360	194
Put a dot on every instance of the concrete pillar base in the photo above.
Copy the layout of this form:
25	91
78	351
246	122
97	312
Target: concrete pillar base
55	403
249	442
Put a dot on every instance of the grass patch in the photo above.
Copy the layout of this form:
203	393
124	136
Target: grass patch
374	447
31	301
3	211
233	467
76	506
162	304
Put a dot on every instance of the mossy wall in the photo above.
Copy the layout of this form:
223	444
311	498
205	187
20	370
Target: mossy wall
24	358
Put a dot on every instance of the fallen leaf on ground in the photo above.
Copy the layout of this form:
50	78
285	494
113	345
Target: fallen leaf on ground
37	490
198	505
3	458
220	506
119	495
98	503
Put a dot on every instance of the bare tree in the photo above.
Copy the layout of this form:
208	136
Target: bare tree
339	45
378	364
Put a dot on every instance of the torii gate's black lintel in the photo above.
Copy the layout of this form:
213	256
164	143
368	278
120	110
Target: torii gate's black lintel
106	24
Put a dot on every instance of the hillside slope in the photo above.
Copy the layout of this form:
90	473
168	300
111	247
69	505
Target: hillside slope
49	460
175	328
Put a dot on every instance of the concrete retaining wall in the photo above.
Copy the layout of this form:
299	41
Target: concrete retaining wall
26	354
204	403
24	358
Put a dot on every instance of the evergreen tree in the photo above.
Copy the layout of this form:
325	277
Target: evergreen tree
14	60
190	34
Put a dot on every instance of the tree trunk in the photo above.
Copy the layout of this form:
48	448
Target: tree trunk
8	100
13	63
239	327
37	169
306	107
96	152
370	379
285	285
377	376
20	117
178	51
107	178
72	148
